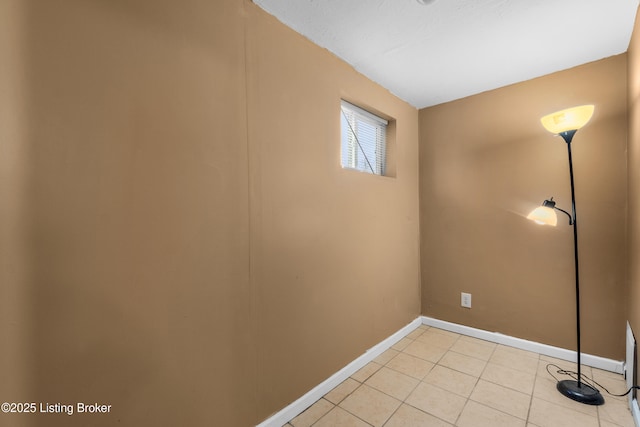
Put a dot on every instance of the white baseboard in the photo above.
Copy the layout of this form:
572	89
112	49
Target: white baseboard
296	408
616	366
635	412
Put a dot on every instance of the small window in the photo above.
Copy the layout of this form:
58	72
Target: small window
363	140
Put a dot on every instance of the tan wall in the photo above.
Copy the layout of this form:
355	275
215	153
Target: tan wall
182	242
334	253
16	313
485	162
138	196
633	164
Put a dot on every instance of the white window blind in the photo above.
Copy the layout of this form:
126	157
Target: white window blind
363	140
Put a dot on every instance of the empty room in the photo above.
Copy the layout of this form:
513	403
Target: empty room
318	213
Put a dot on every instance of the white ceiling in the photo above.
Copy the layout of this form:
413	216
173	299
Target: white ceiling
430	54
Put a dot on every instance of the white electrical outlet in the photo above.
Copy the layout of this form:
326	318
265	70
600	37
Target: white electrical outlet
465	300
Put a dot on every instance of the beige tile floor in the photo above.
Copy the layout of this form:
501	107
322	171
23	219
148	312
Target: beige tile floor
438	378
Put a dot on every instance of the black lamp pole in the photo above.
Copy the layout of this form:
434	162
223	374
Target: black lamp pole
576	390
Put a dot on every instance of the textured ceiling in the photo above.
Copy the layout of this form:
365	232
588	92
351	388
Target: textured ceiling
449	49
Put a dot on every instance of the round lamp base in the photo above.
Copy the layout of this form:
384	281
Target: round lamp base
582	393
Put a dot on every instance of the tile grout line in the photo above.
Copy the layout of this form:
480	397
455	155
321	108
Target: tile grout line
412	390
531	397
474	387
422	380
363	383
466	402
419	380
402	402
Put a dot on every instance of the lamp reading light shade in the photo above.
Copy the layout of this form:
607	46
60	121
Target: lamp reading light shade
569	119
544	215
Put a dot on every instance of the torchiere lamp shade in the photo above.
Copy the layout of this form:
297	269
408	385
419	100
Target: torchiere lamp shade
569	119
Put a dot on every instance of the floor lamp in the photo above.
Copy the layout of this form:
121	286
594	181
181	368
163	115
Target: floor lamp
566	123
